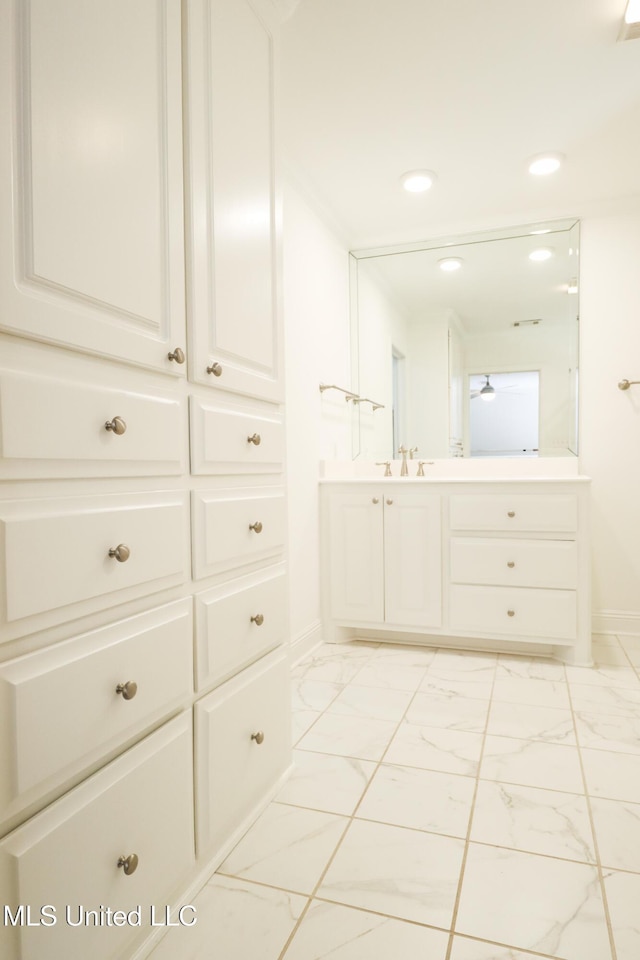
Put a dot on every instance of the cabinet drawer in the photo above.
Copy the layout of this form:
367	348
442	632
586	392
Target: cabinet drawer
513	611
235	766
511	562
239	622
229	439
56	552
514	511
236	527
68	855
61	707
56	427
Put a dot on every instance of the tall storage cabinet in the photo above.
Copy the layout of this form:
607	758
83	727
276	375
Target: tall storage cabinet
143	583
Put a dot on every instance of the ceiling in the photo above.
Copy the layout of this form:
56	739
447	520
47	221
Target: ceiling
469	89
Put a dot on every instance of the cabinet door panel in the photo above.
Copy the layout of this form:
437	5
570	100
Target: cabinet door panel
413	560
232	204
356	578
92	176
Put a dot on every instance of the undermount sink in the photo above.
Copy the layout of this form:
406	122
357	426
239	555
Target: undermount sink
454	470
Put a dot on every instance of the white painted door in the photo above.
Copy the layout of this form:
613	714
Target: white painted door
413	560
91	183
356	576
231	200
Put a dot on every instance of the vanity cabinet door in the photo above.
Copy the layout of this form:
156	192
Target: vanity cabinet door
91	181
356	576
413	560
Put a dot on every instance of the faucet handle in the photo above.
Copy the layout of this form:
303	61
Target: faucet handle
421	464
402	449
387	466
412	451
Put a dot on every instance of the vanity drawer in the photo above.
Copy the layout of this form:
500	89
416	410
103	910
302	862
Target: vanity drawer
230	439
243	746
56	427
236	527
68	855
513	611
61	707
239	622
514	511
511	562
56	552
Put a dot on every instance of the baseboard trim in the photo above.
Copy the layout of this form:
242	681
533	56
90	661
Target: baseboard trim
305	642
618	622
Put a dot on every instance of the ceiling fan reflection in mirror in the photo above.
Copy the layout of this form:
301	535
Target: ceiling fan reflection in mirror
488	391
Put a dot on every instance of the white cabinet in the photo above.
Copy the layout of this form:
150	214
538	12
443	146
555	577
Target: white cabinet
386	557
510	567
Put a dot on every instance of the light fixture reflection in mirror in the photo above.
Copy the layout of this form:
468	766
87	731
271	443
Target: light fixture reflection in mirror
503	312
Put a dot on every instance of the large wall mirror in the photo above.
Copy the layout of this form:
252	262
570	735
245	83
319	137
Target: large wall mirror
468	344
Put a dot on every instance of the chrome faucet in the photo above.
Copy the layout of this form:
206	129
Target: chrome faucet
404	470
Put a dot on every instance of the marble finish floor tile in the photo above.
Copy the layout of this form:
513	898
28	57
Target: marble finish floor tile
301	721
235	920
464	949
454	665
286	847
539	693
526	722
533	820
371	702
476	689
329	669
401	873
623	897
326	782
313	694
532	763
349	736
615	734
604	654
533	903
423	799
434	748
332	932
451	713
609	676
617	827
529	668
612	775
410	655
610	701
383	673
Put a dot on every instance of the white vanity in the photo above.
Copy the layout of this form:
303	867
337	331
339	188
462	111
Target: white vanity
462	560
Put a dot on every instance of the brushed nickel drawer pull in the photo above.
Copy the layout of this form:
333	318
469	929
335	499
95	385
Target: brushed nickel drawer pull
374	500
177	355
511	613
511	513
389	502
258	737
129	864
255	438
117	426
215	369
258	619
511	563
256	527
128	689
121	553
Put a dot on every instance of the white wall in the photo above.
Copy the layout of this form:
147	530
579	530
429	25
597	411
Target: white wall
316	316
317	325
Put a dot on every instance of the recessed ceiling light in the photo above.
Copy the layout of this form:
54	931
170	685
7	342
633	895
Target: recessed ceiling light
449	264
542	253
545	163
417	181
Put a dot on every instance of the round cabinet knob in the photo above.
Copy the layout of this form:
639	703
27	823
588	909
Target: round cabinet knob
374	500
121	553
258	737
511	613
258	619
129	864
511	564
215	369
177	355
511	513
256	527
255	438
128	690
117	426
389	502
